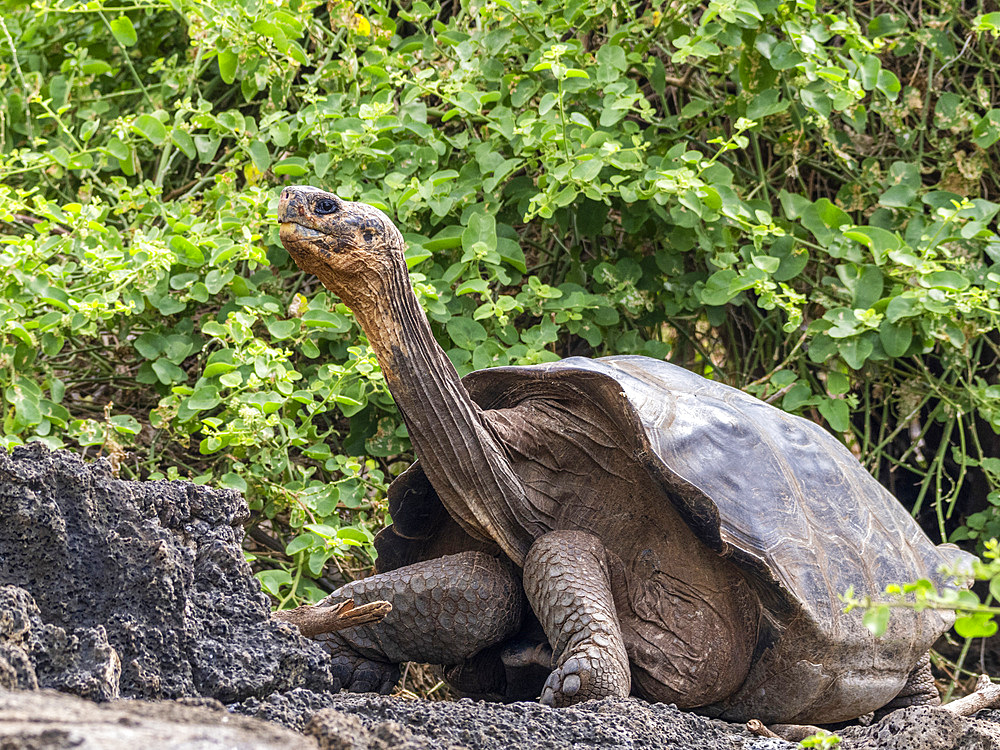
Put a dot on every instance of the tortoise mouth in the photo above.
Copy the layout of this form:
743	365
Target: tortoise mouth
299	231
301	240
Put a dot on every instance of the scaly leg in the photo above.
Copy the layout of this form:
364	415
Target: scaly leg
919	689
444	611
567	581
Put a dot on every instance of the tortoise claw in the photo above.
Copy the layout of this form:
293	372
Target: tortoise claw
566	682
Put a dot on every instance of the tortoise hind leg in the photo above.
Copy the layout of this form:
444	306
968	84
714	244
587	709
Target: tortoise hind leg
919	690
567	581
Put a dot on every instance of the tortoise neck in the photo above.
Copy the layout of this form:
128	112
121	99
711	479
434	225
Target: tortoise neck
460	453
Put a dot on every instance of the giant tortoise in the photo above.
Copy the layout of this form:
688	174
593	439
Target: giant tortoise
675	538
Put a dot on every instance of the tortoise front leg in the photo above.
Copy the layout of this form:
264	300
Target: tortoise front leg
444	611
567	581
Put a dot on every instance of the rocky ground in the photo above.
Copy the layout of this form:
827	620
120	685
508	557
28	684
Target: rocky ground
128	615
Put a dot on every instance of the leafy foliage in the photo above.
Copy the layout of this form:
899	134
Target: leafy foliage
782	197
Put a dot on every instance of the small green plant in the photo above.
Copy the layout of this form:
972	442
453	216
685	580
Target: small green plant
822	739
975	617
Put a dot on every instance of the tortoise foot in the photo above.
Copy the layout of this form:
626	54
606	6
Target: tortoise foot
567	582
573	682
444	611
357	673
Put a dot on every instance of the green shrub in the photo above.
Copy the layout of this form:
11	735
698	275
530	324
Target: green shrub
785	198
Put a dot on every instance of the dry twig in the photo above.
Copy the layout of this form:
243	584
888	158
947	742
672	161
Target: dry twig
313	620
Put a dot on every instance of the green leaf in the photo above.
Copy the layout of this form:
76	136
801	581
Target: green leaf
24	395
903	306
299	543
898	196
124	31
988	22
945	280
766	263
294	166
855	351
466	333
448	238
588	170
325	319
184	142
150	128
272	580
717	287
845	322
887	24
837	383
766	103
324	530
824	219
351	534
260	156
204	398
167	372
477	286
876	619
888	84
987	131
233	482
149	345
880	241
125	424
187	250
868	288
836	412
895	337
511	253
283	329
798	395
482	228
978	625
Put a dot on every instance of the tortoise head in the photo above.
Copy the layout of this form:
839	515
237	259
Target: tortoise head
351	247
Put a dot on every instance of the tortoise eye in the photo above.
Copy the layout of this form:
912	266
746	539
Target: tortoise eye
325	206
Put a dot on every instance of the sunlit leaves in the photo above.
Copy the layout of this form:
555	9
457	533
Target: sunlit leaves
150	128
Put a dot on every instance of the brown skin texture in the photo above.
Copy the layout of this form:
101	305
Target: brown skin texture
553	482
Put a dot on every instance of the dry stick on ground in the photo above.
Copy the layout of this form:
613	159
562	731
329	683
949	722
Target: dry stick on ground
986	695
313	620
790	732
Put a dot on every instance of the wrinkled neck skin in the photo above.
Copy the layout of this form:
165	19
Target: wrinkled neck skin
461	455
